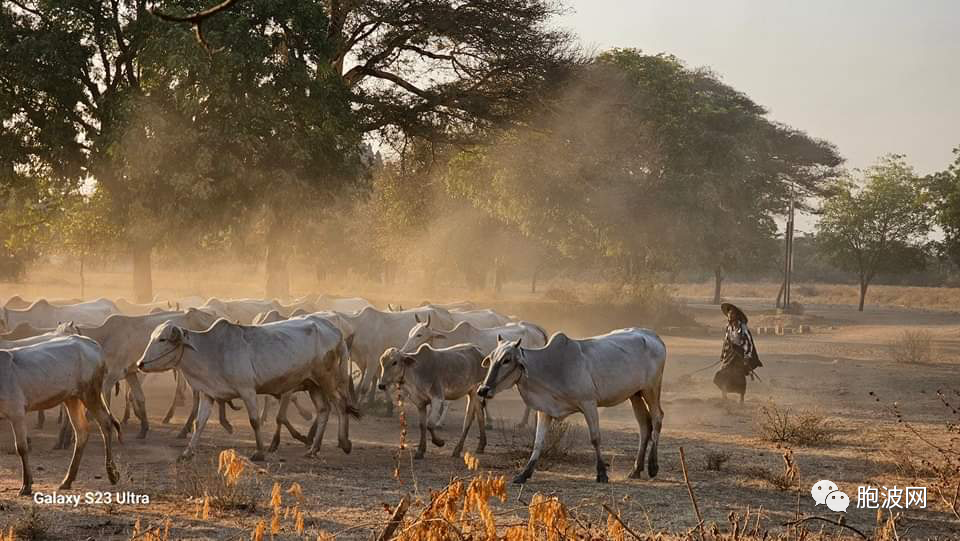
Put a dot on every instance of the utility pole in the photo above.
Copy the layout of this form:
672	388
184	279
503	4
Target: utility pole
788	257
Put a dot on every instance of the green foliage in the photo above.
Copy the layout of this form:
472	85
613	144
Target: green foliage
642	165
945	190
877	223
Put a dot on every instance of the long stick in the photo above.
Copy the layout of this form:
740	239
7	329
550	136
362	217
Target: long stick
395	519
693	499
622	523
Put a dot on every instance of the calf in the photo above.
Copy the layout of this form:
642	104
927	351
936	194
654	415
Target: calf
431	376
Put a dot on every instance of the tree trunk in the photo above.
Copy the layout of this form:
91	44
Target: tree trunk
83	282
497	275
864	284
142	272
533	279
278	275
718	277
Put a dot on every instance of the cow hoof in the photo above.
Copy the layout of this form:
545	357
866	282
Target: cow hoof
346	447
65	485
112	474
185	457
181	435
257	457
142	435
25	491
519	480
456	452
438	442
228	428
636	474
418	456
310	454
602	478
479	450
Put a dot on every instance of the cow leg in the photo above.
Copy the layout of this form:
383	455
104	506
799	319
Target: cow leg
250	401
592	416
543	424
642	414
106	422
652	398
139	404
526	418
60	415
322	405
282	421
224	422
188	424
436	404
444	408
281	414
64	435
480	410
265	411
304	412
741	397
41	419
467	421
422	421
179	397
203	415
19	424
78	418
126	406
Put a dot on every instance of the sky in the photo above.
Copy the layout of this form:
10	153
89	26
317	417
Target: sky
871	76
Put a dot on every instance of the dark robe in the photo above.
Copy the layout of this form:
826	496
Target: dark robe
737	360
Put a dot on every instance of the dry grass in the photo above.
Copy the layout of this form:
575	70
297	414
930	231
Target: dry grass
912	346
938	298
236	485
558	447
783	426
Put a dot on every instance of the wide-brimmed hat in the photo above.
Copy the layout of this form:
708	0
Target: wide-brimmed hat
738	313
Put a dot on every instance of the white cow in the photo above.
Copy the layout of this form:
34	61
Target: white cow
568	376
374	331
45	315
123	339
240	310
346	305
230	361
67	370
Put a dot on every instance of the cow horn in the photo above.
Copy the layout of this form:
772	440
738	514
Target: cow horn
518	341
499	338
416	317
428	320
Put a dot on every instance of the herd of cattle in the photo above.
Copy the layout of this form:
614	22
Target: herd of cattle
75	355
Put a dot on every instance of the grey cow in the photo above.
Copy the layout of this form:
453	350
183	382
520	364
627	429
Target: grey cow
569	376
431	376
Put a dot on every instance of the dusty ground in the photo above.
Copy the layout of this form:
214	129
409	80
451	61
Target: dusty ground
831	373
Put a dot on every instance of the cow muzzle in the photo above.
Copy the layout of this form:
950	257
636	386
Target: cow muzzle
485	391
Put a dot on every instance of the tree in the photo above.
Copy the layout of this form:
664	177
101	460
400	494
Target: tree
638	164
945	191
876	223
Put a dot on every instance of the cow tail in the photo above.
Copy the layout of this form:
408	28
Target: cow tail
351	398
230	403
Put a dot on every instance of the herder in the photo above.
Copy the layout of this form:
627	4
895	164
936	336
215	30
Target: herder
739	355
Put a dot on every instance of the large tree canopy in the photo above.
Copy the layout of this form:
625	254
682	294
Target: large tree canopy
643	163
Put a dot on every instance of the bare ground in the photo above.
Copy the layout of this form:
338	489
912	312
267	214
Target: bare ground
830	372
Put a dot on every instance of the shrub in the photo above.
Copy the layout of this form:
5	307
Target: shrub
228	487
716	459
562	438
912	347
30	525
780	426
560	295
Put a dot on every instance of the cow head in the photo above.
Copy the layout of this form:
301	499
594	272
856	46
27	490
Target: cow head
393	364
166	348
420	334
505	365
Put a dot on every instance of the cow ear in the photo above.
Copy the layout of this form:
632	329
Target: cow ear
518	341
176	334
188	341
409	360
416	317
